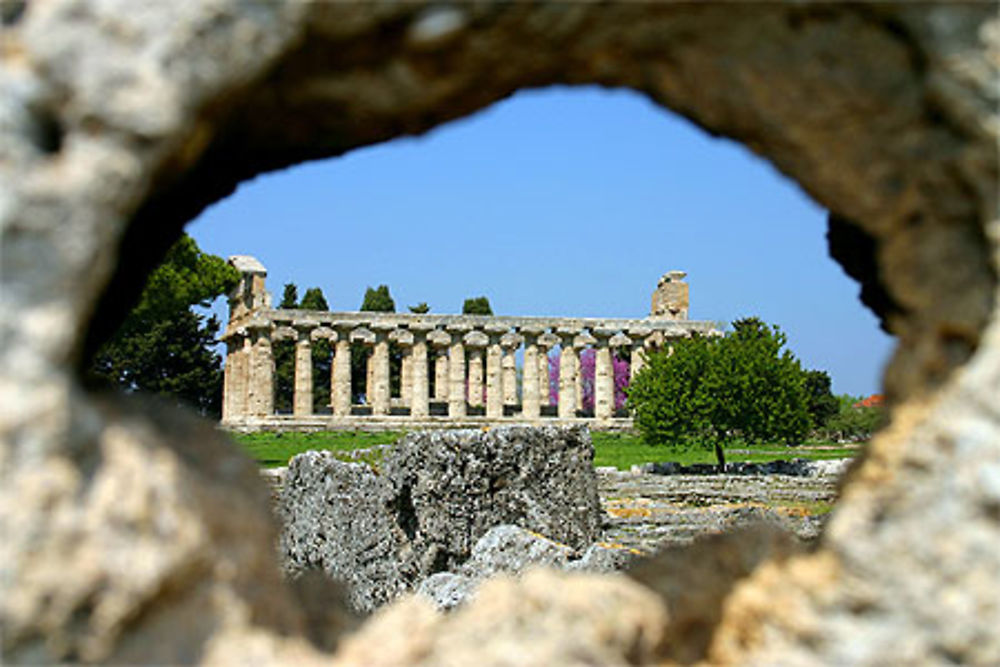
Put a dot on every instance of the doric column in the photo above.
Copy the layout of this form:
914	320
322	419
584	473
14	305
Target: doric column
241	380
638	354
567	374
439	340
340	389
302	402
637	359
406	377
530	397
419	406
546	342
403	338
437	344
544	378
441	374
604	380
494	379
508	363
580	343
456	374
233	347
380	374
475	341
262	373
475	383
369	373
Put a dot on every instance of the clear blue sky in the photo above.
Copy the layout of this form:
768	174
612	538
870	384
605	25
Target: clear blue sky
561	201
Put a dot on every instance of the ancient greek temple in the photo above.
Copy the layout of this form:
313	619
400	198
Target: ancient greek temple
455	370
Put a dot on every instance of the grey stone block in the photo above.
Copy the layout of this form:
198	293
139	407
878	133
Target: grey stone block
437	494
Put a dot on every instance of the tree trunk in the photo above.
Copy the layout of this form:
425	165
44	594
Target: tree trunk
721	456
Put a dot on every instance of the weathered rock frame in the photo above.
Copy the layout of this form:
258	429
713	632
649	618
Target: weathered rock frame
120	121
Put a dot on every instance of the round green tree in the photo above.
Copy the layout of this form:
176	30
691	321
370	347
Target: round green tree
712	391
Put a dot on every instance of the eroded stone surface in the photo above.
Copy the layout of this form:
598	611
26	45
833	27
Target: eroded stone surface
119	121
512	550
338	519
542	618
437	495
462	483
447	590
141	550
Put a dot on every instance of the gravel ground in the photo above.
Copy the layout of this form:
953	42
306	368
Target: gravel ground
647	511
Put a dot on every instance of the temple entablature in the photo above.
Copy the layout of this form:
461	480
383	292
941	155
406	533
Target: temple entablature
436	368
463	324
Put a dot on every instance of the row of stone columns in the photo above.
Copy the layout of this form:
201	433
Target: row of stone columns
465	362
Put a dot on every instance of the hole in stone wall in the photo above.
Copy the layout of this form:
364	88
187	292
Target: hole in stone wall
567	202
555	203
560	202
596	224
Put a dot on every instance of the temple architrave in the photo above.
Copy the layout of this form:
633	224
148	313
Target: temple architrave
456	370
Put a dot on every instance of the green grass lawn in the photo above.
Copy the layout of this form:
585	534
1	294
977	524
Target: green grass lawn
273	450
621	450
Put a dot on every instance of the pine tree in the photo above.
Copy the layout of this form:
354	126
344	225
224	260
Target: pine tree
164	347
479	305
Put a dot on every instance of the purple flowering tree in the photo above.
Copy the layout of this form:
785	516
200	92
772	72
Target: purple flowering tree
621	374
588	358
588	365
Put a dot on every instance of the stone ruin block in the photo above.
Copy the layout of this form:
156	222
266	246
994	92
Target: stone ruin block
671	299
512	550
459	484
336	518
437	493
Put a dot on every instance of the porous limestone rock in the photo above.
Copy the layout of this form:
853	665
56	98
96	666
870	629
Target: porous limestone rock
459	484
694	582
119	121
542	618
436	495
152	544
337	518
511	550
447	590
